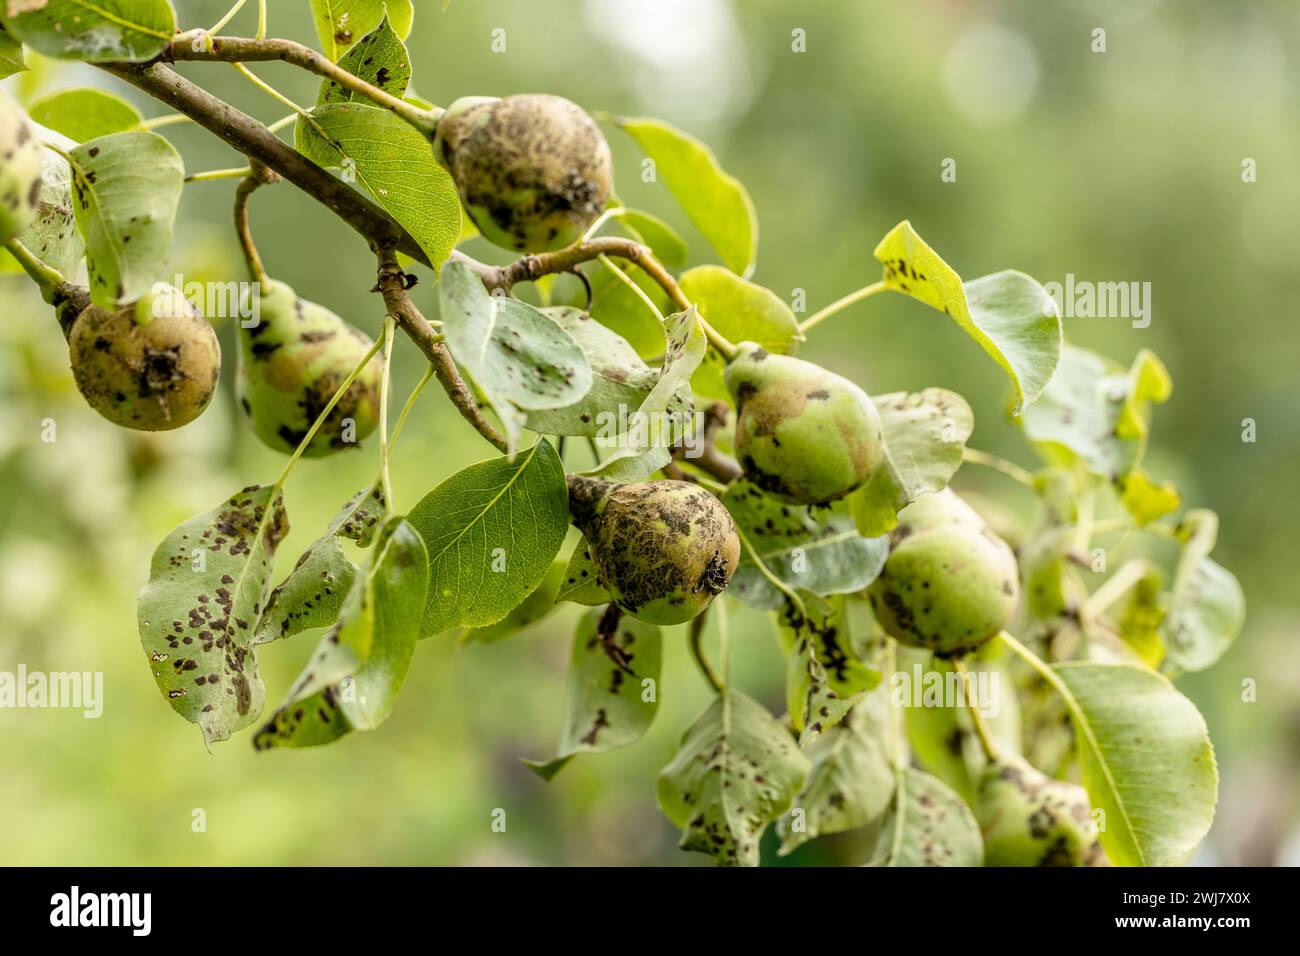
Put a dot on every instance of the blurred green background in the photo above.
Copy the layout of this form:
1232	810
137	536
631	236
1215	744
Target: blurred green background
1116	166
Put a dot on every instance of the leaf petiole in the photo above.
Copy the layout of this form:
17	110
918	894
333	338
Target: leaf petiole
838	305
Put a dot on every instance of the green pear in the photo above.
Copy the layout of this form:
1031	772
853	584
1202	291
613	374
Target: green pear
151	366
290	365
938	509
1030	819
949	584
21	164
533	171
663	549
802	433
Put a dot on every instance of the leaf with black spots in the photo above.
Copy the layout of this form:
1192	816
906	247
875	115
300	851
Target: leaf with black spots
125	190
614	656
353	678
208	583
313	592
736	770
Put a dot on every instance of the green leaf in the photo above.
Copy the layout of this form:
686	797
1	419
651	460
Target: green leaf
1145	758
393	162
736	770
925	434
615	305
1142	615
536	607
620	381
851	782
208	583
521	359
12	58
341	23
630	465
741	311
1207	607
668	247
380	58
126	188
713	200
614	657
1145	500
825	675
1009	314
314	591
85	113
929	825
579	584
95	31
813	549
352	680
492	531
1096	412
1042	557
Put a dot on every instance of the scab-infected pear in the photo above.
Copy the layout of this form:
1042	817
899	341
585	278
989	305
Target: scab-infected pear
663	549
1030	819
533	171
949	584
802	433
290	365
151	366
20	169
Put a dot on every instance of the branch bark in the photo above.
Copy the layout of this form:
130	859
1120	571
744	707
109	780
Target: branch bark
393	286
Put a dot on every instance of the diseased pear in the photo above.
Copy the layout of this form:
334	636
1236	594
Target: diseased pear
803	434
950	583
533	170
1030	819
290	365
663	549
150	366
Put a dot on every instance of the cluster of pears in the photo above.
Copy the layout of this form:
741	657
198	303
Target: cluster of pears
803	434
533	171
1031	819
21	164
950	583
663	549
291	362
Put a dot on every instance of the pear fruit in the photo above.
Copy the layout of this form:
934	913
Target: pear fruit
1030	819
663	549
533	171
21	165
803	434
290	365
950	583
150	366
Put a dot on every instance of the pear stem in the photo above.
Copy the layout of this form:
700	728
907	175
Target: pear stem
247	186
697	651
1008	468
977	718
47	277
838	305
